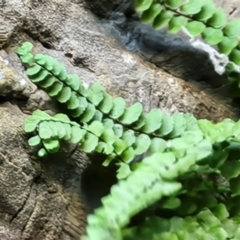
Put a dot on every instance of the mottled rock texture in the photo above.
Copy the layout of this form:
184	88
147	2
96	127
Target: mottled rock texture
47	199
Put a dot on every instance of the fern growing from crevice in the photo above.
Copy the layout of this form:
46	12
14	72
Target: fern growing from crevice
187	159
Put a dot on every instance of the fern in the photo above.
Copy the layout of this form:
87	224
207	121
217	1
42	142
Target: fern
136	193
136	132
207	224
197	18
86	105
187	158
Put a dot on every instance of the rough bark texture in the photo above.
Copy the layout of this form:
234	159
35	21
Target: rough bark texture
44	199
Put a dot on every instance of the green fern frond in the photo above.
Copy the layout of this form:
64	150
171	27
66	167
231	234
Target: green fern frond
94	103
136	193
130	124
53	129
198	18
214	224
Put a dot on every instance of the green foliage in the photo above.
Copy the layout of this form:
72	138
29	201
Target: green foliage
128	128
135	193
199	18
192	168
206	224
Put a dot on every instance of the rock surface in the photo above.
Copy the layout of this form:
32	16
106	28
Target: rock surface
42	199
39	199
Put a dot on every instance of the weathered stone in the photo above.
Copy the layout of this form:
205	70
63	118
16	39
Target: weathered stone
43	199
39	199
12	83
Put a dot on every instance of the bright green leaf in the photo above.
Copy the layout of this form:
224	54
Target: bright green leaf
25	48
230	169
195	28
106	104
109	159
27	58
88	114
227	45
77	134
162	19
40	59
83	91
33	70
89	143
55	89
234	56
45	132
47	82
179	125
64	95
132	114
118	130
62	117
95	94
31	123
34	141
176	24
141	144
96	128
123	171
68	131
54	130
171	203
62	75
73	81
212	36
174	4
108	123
191	122
118	108
82	105
191	7
128	155
98	116
218	19
129	137
104	148
221	212
149	15
157	145
205	13
119	146
153	121
140	123
108	136
52	146
42	152
61	130
167	125
73	102
39	77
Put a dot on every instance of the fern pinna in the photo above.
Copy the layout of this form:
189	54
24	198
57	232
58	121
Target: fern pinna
198	18
187	159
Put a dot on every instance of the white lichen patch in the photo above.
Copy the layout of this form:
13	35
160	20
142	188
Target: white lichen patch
22	82
86	85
